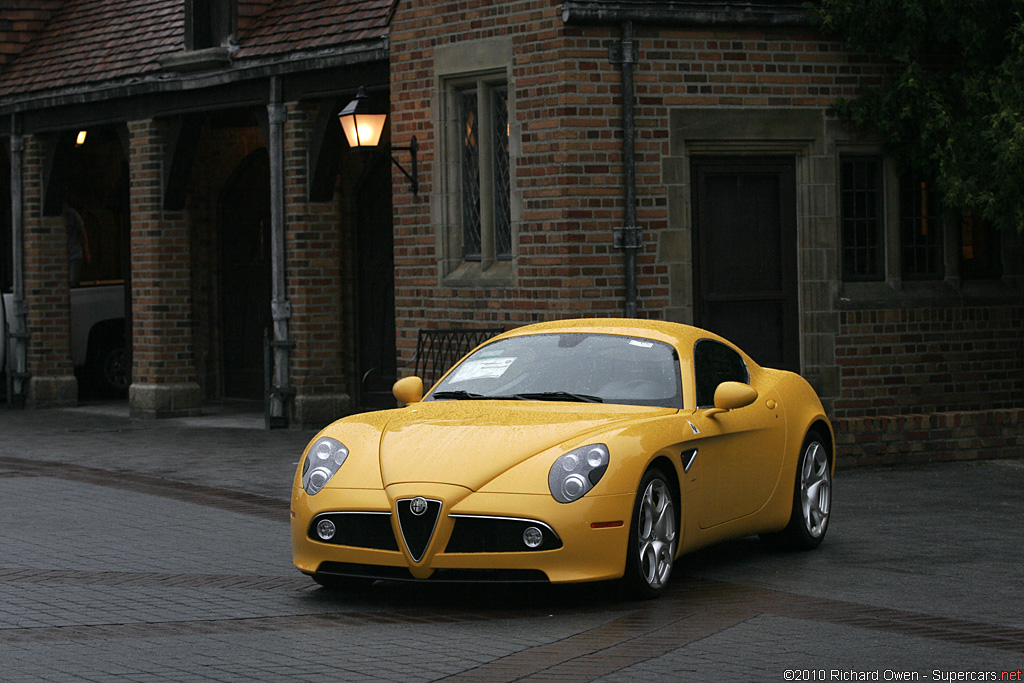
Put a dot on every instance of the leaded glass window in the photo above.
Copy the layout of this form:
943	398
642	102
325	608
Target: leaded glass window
502	186
980	253
470	146
863	244
920	231
484	192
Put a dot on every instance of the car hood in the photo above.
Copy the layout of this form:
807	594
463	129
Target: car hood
469	443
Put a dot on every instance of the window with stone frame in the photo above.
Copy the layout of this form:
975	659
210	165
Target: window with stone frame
209	23
484	178
862	218
921	254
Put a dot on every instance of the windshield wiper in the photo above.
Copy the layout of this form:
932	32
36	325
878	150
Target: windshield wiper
558	396
457	395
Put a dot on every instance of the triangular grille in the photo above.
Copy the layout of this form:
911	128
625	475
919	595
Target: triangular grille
417	529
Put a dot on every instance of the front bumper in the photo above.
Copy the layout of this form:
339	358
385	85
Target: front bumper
582	541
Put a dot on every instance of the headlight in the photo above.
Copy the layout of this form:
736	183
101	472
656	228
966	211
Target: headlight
324	458
577	472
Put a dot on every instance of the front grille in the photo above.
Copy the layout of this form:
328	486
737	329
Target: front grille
417	528
358	530
473	534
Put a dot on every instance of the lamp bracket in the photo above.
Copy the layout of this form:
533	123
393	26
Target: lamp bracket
412	176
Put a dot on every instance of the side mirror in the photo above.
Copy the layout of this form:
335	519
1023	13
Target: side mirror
408	390
732	395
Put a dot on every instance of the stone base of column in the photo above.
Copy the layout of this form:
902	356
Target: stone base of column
165	400
314	412
58	391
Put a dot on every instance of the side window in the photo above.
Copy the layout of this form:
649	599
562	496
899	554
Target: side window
484	134
715	363
861	214
920	231
980	254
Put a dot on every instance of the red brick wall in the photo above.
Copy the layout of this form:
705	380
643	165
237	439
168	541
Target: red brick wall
902	439
569	169
313	247
948	361
46	274
161	280
924	360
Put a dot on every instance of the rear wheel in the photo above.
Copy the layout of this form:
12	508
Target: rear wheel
812	499
652	537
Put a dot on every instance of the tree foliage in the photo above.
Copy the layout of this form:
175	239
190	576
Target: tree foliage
952	106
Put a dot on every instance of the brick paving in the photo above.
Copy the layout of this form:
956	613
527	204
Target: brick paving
159	551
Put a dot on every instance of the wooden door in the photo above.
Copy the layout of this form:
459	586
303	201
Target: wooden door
745	271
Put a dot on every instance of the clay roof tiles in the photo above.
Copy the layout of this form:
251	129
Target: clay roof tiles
89	42
309	25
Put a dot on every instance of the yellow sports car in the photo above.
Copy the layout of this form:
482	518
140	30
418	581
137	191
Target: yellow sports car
579	450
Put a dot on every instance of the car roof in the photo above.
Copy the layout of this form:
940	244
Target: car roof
681	336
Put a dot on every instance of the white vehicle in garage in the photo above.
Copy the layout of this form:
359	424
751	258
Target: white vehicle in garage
97	336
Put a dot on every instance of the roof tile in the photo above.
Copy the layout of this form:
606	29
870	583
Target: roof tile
92	41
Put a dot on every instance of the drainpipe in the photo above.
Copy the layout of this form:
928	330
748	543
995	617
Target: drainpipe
281	308
17	371
629	237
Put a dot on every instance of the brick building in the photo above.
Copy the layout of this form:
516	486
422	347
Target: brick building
672	160
753	213
215	188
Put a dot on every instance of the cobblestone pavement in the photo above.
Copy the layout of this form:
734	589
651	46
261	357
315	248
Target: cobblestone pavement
159	551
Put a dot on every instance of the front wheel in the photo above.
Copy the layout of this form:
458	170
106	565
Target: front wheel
652	537
812	499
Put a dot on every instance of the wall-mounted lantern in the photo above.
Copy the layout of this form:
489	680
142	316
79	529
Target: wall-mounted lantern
363	127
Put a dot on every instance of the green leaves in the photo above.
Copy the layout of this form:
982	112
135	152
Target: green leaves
952	107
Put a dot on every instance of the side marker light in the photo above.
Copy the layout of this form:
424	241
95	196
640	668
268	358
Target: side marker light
606	525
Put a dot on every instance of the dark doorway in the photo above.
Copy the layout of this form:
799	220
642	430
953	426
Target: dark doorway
745	274
376	287
245	275
98	191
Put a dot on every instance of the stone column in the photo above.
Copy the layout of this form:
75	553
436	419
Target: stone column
164	379
47	297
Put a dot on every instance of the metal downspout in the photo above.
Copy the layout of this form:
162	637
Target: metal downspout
281	309
629	236
17	372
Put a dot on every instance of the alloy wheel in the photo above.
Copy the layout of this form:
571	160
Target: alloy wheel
815	489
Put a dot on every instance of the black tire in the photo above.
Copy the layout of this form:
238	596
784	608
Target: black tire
653	537
110	370
812	499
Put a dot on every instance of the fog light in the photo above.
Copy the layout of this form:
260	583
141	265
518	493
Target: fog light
533	537
325	529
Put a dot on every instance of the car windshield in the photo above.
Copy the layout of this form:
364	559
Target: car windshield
599	368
